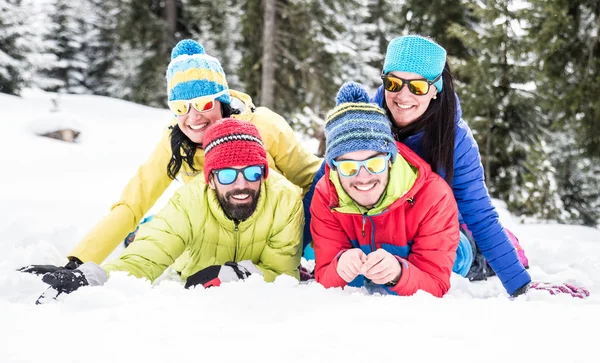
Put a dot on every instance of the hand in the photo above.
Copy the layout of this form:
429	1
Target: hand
350	264
73	263
562	288
381	267
40	269
66	281
215	275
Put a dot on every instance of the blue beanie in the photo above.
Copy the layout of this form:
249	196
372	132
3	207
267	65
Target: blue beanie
416	54
193	73
355	124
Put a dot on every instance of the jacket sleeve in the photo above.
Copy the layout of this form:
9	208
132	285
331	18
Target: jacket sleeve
480	215
282	252
294	161
159	242
140	194
329	240
429	264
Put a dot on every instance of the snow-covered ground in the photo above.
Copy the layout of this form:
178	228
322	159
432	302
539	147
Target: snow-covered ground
53	192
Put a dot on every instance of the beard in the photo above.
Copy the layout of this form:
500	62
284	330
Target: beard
239	211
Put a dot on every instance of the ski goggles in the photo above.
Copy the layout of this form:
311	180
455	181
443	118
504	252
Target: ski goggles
417	87
201	104
227	176
375	165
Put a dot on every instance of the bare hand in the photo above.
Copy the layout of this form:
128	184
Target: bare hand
350	264
381	267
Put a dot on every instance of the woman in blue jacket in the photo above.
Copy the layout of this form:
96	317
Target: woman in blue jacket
426	117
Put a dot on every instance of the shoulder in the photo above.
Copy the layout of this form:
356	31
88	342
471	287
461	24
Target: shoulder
465	144
280	190
266	118
191	194
436	194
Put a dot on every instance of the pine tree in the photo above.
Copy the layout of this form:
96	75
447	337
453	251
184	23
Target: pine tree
216	26
66	72
563	36
13	61
385	25
434	18
315	53
101	47
145	48
504	112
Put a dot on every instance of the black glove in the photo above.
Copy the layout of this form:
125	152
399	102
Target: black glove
65	280
41	269
73	263
216	274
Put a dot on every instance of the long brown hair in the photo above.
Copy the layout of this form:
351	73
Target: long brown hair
438	124
181	144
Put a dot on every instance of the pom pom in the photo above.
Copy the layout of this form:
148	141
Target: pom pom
351	92
187	46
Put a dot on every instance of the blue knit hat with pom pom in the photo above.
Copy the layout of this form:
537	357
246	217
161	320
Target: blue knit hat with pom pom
193	73
416	54
355	124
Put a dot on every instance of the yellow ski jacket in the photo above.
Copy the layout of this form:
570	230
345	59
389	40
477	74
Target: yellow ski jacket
193	221
284	154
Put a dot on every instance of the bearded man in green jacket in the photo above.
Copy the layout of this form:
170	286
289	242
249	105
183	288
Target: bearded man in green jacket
232	223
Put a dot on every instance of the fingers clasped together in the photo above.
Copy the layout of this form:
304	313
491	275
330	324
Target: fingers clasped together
381	267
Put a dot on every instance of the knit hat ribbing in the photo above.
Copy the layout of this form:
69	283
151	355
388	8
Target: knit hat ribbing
193	73
416	54
232	142
355	124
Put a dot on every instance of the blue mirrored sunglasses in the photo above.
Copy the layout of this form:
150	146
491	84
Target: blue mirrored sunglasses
227	176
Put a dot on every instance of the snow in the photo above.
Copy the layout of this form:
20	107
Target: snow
53	192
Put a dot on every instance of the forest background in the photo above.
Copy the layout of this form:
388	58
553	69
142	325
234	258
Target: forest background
527	72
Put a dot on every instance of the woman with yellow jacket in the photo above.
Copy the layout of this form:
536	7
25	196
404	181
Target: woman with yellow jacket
198	96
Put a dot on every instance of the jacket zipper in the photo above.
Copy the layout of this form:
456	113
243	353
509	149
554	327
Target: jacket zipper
236	230
363	224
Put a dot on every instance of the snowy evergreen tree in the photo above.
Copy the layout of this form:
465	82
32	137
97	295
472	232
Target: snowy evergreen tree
216	26
434	18
566	85
13	32
385	25
502	107
316	53
65	40
101	47
145	50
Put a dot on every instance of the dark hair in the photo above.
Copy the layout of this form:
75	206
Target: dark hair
438	124
180	142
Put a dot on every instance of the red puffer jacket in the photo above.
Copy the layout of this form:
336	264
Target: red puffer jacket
418	224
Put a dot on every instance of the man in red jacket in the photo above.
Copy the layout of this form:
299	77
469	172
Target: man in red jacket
380	217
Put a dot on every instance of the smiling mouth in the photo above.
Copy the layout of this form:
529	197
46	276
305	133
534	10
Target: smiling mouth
240	196
365	187
403	106
198	127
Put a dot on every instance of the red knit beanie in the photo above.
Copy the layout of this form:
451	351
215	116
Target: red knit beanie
232	142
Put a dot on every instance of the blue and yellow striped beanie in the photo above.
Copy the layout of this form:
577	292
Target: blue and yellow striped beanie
355	124
193	73
416	54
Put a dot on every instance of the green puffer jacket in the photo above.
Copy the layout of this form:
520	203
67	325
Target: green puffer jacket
193	221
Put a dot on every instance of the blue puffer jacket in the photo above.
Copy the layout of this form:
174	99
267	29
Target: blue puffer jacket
475	205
